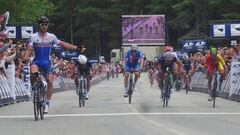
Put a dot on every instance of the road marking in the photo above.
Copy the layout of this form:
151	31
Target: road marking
119	114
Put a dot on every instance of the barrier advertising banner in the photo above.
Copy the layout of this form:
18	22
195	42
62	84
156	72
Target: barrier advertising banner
194	44
234	80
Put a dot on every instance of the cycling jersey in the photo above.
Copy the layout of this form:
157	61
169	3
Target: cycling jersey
211	63
84	68
187	65
164	64
133	62
42	49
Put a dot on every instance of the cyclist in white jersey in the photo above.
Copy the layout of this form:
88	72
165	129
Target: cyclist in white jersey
41	43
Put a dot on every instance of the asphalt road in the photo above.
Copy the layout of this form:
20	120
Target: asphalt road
108	113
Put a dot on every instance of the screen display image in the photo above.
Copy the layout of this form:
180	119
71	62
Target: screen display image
143	29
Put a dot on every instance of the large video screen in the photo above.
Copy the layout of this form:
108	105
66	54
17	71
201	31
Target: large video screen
143	29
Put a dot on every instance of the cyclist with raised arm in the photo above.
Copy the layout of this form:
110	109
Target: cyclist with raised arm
168	60
41	43
133	60
215	61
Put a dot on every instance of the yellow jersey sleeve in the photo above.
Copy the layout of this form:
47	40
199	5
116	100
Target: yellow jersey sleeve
221	60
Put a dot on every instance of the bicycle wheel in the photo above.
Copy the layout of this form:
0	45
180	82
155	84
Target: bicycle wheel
41	103
177	85
187	85
164	100
130	90
36	104
84	91
80	94
167	91
214	101
151	81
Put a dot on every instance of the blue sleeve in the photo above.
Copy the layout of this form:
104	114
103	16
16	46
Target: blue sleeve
140	54
126	57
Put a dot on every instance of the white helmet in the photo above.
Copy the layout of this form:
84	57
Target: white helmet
82	59
185	57
134	47
169	55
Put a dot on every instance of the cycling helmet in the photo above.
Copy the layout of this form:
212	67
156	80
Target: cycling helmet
168	49
4	20
213	51
169	55
43	19
134	47
82	59
185	57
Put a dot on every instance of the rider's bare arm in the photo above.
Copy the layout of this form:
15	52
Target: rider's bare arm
69	46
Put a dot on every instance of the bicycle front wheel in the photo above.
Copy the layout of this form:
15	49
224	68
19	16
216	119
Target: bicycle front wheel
130	91
41	103
36	104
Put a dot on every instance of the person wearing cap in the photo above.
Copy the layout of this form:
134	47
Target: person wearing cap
133	60
81	67
41	43
215	61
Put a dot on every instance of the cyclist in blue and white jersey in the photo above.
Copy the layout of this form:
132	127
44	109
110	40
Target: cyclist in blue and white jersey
41	43
133	60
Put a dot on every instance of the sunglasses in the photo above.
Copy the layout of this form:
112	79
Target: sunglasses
43	24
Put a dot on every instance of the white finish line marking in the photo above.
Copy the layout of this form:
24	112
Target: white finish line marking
116	114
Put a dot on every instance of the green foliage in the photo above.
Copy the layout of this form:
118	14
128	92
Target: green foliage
97	23
26	10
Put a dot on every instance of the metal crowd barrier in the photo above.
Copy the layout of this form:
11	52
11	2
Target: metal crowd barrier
19	93
5	93
199	83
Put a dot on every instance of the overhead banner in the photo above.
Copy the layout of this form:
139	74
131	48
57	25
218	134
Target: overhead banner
19	32
11	31
194	44
219	30
27	31
235	29
225	30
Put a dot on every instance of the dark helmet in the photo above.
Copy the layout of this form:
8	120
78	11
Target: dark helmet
43	19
